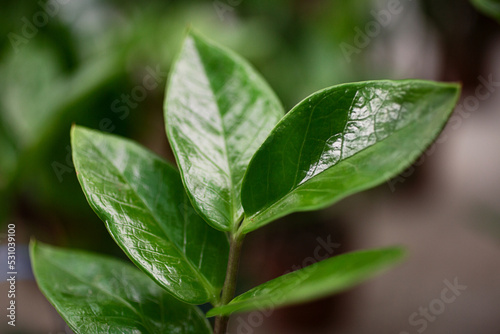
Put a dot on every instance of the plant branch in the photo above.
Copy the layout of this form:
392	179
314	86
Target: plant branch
230	282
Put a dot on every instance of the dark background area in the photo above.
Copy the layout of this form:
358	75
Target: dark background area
68	61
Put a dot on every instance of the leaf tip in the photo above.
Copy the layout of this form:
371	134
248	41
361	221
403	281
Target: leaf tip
75	129
210	313
32	247
397	254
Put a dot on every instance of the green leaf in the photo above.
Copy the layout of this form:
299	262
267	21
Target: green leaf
315	281
342	140
98	294
141	199
218	111
489	7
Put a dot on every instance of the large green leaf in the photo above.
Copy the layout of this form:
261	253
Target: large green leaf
489	7
218	111
99	294
342	140
315	281
141	199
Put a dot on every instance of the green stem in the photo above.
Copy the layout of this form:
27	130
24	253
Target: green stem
230	283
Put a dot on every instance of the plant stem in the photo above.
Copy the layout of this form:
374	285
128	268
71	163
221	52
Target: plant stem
230	281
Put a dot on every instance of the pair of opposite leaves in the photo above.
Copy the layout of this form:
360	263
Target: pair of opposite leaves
239	158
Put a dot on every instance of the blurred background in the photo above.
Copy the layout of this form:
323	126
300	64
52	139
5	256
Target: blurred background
84	62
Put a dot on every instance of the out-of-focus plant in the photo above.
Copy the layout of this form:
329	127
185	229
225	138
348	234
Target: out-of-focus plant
489	7
242	164
37	97
69	69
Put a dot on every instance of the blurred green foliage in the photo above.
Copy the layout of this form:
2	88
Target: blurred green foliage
66	61
489	7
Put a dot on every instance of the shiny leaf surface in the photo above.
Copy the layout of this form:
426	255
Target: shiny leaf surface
99	294
218	111
342	140
315	281
489	7
141	199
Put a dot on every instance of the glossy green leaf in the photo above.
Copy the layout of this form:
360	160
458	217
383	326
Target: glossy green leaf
489	7
141	199
218	111
342	140
315	281
98	294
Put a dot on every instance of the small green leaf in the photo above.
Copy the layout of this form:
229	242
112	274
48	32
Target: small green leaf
315	281
98	294
342	140
489	7
218	111
141	199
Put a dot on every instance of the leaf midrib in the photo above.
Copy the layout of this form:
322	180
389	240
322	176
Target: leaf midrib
284	197
208	286
224	136
126	303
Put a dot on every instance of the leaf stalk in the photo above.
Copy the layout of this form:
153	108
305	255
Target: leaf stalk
229	287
